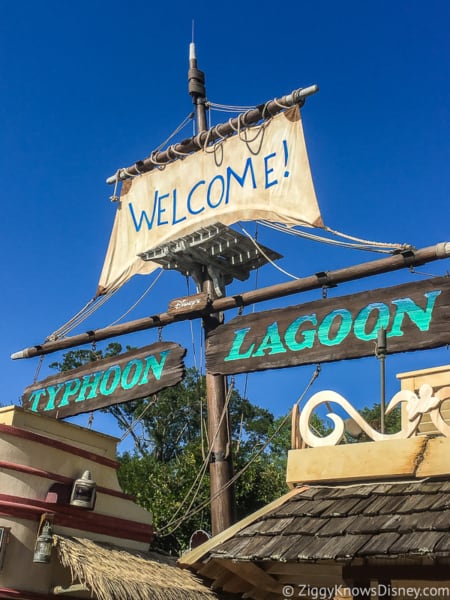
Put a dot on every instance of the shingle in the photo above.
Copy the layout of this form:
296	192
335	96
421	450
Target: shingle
305	525
341	507
384	505
271	526
417	502
367	523
443	546
442	502
379	544
342	547
340	523
442	520
418	542
336	526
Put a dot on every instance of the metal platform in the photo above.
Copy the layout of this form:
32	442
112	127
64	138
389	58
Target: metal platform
226	254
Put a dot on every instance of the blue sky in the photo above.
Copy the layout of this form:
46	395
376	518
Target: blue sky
87	87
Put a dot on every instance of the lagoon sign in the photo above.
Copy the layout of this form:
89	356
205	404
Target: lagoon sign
416	316
129	376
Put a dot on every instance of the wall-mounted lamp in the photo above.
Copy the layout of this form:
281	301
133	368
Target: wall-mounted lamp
83	491
44	543
4	539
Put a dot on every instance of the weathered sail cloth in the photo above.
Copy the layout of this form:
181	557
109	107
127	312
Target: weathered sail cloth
260	173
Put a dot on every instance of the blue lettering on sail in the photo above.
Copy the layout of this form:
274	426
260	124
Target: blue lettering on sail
169	207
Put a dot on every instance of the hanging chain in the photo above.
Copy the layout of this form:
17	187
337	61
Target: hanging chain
38	368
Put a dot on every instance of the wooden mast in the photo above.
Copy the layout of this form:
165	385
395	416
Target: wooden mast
220	467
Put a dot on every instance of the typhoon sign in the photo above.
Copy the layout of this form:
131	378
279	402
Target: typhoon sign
260	173
129	376
416	316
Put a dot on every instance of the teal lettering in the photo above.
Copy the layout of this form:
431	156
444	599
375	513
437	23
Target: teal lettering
271	342
307	336
421	317
91	385
128	385
240	179
343	328
35	398
106	387
362	317
156	367
239	336
53	392
72	387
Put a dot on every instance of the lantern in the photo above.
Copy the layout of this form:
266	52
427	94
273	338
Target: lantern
43	546
83	491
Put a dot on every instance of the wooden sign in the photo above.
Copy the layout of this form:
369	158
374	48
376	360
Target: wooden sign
112	380
416	316
188	304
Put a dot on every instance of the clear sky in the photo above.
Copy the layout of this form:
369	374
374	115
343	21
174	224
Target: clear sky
87	87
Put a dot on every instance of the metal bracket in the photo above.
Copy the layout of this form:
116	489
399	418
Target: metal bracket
217	457
224	252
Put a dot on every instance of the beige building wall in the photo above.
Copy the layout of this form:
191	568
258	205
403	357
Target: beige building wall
37	451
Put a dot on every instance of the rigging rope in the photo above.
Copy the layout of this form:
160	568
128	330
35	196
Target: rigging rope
88	309
181	520
200	474
139	300
228	107
91	307
266	256
362	244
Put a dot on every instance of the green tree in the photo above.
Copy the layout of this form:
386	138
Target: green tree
167	469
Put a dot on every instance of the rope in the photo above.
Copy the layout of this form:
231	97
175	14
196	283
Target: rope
134	423
367	245
200	474
229	107
266	256
369	242
88	309
181	126
180	521
139	300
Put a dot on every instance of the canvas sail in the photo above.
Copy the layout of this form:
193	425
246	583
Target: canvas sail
261	172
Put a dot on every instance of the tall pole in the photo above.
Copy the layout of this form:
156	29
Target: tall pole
381	349
221	466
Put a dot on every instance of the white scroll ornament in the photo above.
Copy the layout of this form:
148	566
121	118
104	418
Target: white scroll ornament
416	407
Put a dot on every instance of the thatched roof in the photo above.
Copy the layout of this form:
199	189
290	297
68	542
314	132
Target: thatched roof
114	573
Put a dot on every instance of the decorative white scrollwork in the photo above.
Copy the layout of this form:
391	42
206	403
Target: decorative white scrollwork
416	406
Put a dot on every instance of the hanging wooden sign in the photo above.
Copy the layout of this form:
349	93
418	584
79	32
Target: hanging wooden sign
112	380
416	316
188	304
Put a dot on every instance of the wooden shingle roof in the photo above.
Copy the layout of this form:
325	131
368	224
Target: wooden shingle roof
340	523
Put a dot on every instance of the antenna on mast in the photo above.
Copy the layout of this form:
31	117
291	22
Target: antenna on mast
196	86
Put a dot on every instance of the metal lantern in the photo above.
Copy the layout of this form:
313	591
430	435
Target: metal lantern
43	546
83	491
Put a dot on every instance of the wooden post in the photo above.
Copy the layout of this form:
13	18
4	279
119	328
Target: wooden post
221	467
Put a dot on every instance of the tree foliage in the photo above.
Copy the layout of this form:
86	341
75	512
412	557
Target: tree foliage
166	470
170	449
